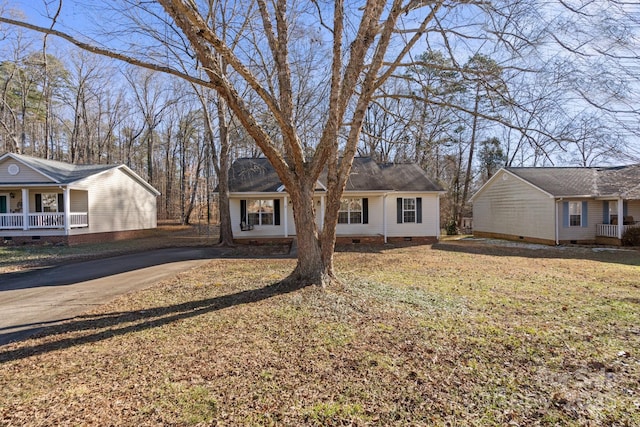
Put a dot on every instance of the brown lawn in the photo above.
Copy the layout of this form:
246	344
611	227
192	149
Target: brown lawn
455	334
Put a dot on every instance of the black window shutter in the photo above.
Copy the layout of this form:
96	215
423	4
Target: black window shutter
60	202
365	211
419	210
243	211
38	202
276	211
399	210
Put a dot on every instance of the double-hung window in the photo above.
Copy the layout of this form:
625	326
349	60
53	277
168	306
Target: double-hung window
409	210
260	212
351	211
575	214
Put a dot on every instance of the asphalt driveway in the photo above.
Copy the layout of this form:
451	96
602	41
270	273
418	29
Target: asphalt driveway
35	299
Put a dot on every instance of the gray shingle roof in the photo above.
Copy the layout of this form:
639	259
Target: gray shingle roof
257	175
61	172
591	181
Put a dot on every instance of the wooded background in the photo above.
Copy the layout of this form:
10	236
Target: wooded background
460	116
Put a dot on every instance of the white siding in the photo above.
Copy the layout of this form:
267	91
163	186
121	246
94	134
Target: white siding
258	230
26	174
507	205
430	225
117	202
375	225
376	207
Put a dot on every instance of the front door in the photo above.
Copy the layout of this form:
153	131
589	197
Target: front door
3	204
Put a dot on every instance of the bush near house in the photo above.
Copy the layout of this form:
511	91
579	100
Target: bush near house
631	237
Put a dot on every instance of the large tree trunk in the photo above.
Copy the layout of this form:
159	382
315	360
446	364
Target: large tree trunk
226	232
312	267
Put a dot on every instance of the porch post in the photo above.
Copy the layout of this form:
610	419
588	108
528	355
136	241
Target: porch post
620	217
286	214
66	199
25	208
322	201
384	217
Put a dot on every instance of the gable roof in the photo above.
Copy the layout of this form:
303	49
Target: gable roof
67	173
257	175
607	181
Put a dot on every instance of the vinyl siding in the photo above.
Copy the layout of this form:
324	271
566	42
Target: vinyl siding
430	225
511	206
117	202
580	233
376	206
258	230
26	174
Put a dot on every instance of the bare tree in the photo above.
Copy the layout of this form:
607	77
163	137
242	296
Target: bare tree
362	46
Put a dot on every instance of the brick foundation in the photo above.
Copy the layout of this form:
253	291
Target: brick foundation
344	240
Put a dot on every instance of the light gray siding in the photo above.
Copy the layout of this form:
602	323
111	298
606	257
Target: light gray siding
25	174
117	202
510	206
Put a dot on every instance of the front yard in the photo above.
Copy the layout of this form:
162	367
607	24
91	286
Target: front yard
454	334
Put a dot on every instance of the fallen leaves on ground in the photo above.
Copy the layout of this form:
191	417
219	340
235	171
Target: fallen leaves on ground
443	335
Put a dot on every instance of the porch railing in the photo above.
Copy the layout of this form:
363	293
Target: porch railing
15	221
609	230
11	221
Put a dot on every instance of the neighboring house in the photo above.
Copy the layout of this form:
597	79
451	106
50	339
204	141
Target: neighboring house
559	205
46	200
381	203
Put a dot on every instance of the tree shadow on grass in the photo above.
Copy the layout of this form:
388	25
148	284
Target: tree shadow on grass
120	323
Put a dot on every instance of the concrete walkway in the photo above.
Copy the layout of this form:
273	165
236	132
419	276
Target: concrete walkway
32	300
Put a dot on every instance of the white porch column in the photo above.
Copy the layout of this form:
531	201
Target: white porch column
620	217
286	214
322	202
384	217
25	208
66	199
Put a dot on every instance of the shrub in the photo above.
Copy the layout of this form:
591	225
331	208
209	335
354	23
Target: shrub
631	237
451	228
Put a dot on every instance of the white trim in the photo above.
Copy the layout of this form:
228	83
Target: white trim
620	217
285	214
66	201
25	208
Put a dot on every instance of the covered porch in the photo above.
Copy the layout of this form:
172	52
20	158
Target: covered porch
618	216
25	209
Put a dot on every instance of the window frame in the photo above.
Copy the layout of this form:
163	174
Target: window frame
406	211
575	213
348	201
45	202
260	214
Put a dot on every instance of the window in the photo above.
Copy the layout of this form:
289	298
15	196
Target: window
351	211
575	214
408	209
260	212
613	212
49	202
